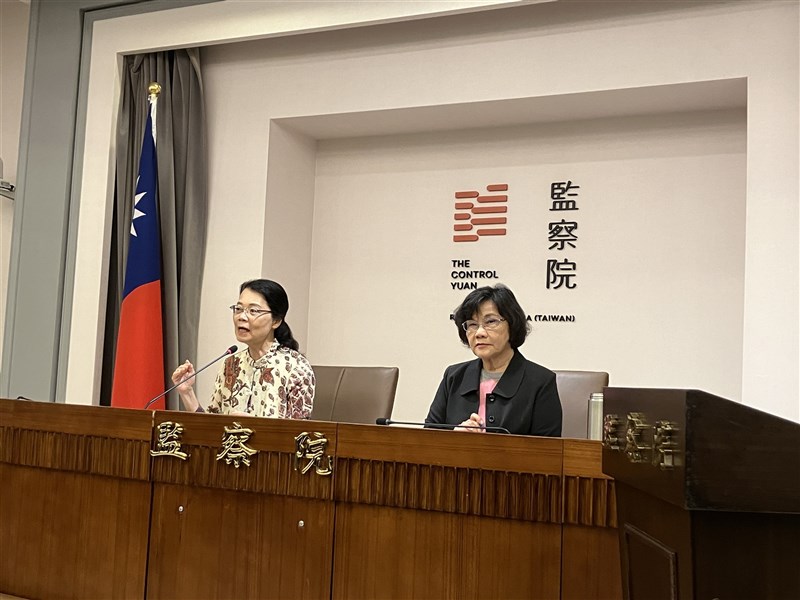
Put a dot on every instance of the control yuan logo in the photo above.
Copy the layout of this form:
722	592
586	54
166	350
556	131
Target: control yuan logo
478	215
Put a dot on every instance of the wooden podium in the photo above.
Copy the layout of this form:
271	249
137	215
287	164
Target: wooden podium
708	496
102	502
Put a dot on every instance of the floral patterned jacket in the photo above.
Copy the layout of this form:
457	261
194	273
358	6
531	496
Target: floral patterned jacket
280	384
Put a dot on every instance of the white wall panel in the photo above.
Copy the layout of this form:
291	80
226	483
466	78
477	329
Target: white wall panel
660	249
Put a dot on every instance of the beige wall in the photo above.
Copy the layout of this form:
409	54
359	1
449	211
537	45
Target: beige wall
13	47
660	249
554	50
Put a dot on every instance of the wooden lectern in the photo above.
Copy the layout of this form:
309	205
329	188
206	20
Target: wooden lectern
708	496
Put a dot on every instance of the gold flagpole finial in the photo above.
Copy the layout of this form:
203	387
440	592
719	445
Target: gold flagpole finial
154	89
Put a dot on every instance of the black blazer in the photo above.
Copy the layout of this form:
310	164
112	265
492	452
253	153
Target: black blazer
525	400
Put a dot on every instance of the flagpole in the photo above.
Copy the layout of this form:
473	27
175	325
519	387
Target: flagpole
153	91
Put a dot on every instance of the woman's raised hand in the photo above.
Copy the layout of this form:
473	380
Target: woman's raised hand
184	373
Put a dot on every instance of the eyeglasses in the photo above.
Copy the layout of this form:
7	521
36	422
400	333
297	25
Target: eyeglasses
251	311
489	324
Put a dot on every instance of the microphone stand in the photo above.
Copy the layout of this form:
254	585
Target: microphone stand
230	350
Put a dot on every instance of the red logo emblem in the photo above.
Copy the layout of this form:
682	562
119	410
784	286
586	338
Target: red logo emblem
478	215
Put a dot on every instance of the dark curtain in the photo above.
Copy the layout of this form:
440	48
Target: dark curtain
182	197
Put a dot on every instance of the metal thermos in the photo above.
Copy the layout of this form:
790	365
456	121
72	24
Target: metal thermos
595	421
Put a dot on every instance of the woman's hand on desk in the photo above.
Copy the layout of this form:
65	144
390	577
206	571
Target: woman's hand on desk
473	424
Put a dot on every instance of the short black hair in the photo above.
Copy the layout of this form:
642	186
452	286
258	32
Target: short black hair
507	306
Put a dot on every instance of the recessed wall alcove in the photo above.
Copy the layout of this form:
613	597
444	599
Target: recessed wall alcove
358	215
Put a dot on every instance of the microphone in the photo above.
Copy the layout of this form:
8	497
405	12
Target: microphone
385	421
227	352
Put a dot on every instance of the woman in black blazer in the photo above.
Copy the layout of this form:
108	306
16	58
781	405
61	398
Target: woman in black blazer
501	388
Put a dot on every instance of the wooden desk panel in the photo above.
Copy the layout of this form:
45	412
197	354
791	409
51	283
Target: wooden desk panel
483	475
258	531
461	449
525	496
82	439
101	421
74	500
71	535
271	470
229	544
383	552
590	566
589	495
407	513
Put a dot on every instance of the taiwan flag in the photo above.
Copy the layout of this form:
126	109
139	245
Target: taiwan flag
139	364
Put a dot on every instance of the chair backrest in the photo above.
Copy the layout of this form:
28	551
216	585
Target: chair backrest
574	389
354	394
